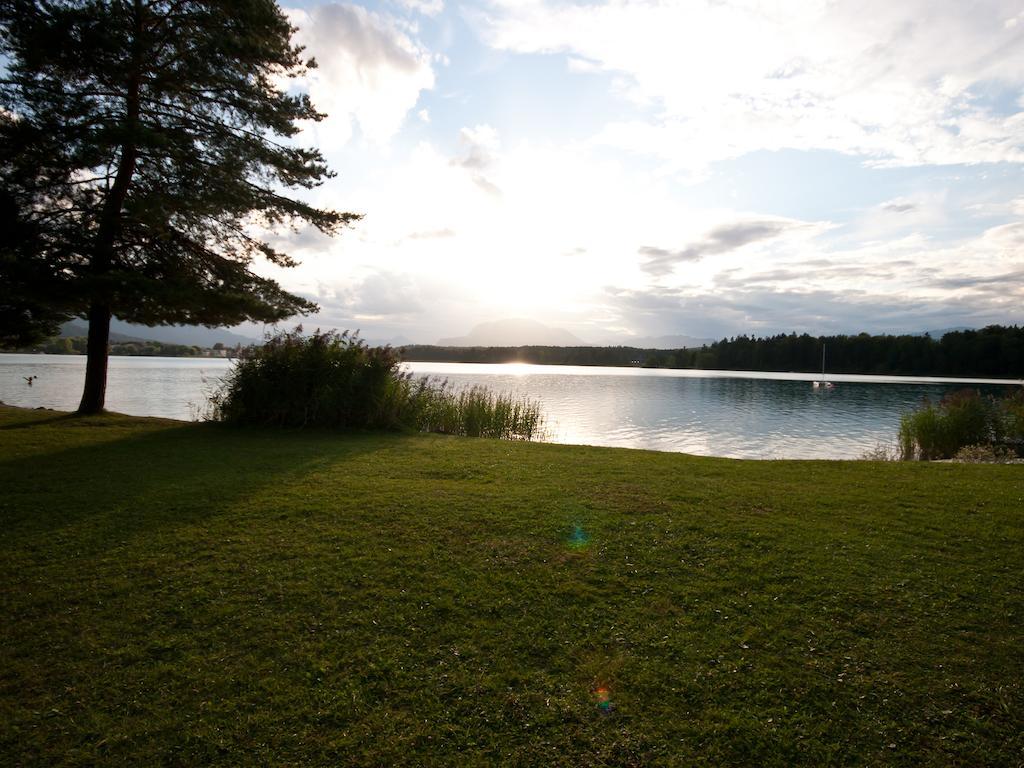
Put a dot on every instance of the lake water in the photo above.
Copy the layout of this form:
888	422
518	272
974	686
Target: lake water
716	413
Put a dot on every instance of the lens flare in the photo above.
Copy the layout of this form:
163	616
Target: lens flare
578	539
603	698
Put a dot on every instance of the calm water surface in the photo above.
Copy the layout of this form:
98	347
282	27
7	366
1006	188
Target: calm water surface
172	387
717	413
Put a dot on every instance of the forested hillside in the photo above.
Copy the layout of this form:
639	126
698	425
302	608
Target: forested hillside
995	351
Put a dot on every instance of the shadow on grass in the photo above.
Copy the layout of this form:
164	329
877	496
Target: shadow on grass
156	476
52	417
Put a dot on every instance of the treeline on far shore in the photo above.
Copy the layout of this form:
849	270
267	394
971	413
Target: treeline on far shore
76	345
992	352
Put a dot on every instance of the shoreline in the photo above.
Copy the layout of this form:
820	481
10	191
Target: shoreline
340	434
598	369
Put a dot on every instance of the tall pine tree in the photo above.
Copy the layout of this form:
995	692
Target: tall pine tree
143	145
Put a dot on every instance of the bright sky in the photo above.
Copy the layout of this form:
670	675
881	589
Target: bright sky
641	168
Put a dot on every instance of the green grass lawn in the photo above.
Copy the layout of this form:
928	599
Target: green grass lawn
179	594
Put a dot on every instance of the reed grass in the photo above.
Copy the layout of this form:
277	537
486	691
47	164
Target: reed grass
960	420
475	412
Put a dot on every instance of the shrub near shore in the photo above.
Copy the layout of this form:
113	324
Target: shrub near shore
337	381
960	420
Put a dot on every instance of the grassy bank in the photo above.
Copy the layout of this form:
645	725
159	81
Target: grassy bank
190	594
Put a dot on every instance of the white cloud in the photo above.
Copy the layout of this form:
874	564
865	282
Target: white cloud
583	66
909	285
727	237
567	221
480	139
370	71
426	7
479	147
921	212
897	83
496	222
901	284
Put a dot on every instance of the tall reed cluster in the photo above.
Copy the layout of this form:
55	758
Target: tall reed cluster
337	381
960	420
474	412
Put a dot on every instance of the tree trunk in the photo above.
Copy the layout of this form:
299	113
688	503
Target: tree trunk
97	349
97	352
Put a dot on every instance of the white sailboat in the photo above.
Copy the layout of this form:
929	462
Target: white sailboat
822	383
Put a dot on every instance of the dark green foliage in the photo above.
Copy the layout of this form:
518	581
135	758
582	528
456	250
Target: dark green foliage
336	381
24	321
959	420
132	348
76	345
324	380
61	345
1014	420
193	595
143	146
995	351
154	349
28	313
538	355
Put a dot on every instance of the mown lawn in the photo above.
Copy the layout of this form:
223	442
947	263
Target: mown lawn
192	595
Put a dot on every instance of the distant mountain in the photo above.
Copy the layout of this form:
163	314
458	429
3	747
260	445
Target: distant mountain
514	333
394	341
72	329
193	335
